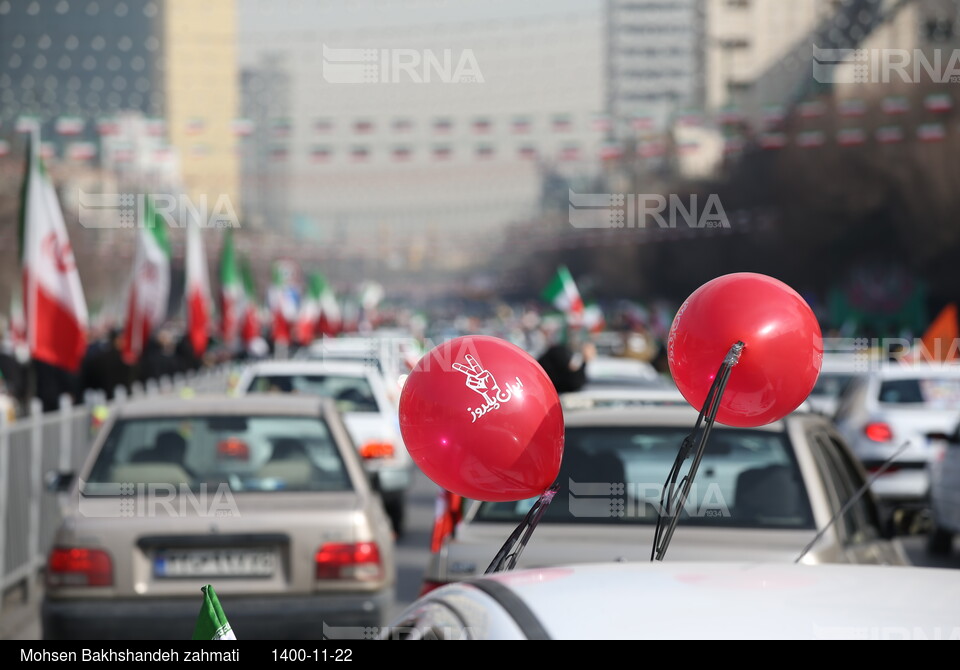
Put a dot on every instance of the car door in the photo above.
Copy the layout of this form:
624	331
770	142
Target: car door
858	524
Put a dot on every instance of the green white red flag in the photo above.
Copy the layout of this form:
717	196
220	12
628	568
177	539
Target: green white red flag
232	293
149	291
563	294
55	309
197	291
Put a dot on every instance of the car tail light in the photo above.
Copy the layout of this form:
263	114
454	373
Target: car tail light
878	431
349	560
233	448
75	566
428	586
376	449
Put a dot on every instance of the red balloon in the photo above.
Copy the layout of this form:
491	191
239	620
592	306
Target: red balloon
782	353
482	419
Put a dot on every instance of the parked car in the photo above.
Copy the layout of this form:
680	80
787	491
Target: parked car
264	497
898	405
760	494
677	600
371	417
944	471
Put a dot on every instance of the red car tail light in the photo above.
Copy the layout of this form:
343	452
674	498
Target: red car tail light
75	566
233	448
376	449
878	431
349	560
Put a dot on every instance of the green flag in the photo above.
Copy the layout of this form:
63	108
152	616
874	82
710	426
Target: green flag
212	623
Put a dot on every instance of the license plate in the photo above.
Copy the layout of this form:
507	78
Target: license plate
215	563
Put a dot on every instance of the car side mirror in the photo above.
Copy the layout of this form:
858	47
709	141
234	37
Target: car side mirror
58	482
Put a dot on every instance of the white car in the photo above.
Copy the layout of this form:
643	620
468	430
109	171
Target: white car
393	354
760	494
371	416
614	371
836	373
690	601
899	405
667	396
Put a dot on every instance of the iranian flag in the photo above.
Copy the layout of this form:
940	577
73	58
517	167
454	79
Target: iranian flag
308	317
563	294
212	623
149	290
331	320
55	310
232	293
593	318
198	291
250	326
283	303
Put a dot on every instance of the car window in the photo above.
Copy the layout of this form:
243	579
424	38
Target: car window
935	393
248	453
860	522
609	475
351	393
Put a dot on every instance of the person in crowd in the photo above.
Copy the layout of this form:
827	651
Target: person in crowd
565	361
104	368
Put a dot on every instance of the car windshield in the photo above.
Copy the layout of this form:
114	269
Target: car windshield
614	475
248	453
351	393
932	393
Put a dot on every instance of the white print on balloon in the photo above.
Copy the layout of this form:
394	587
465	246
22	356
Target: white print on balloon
483	382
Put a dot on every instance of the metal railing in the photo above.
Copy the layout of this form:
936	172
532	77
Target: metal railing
41	442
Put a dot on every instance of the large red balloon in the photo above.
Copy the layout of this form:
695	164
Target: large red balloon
482	419
782	354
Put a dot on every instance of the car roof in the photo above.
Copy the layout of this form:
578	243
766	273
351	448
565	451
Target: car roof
647	416
660	600
313	366
206	404
894	370
626	397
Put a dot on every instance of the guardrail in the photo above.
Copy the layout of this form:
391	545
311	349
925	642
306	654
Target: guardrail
41	442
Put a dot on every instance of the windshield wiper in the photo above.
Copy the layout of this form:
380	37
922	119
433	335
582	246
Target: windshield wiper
507	557
673	499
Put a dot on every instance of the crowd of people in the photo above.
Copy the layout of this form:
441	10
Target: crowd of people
104	369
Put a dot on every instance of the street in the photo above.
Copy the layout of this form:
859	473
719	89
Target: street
19	620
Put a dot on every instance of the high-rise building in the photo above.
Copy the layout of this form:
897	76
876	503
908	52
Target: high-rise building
746	38
654	61
402	132
77	67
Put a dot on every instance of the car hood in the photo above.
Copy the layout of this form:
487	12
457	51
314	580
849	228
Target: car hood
476	545
705	600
